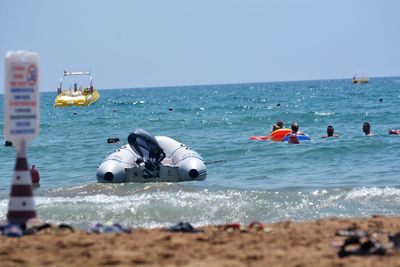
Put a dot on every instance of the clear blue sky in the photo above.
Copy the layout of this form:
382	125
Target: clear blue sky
149	43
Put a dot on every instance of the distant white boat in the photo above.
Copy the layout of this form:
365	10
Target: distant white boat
360	79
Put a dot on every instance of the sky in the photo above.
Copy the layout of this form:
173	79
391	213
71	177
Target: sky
156	43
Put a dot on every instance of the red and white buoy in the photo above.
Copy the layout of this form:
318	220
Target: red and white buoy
21	206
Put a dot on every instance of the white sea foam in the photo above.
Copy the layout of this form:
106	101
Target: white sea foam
322	114
163	207
374	192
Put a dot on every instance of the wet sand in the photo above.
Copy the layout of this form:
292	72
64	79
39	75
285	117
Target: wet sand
312	243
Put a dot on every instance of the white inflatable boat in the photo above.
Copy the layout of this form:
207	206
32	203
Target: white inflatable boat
148	158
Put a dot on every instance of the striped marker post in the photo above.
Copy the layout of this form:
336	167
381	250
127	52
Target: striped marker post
21	206
21	125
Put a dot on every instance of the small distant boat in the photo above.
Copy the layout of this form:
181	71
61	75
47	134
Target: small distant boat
76	95
361	79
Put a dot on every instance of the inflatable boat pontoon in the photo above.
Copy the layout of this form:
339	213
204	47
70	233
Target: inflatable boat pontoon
149	158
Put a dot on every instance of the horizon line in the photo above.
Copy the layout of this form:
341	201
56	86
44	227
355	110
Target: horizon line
239	83
217	84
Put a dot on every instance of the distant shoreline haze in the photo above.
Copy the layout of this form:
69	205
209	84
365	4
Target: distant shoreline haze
221	84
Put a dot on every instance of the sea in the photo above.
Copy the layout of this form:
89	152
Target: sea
349	176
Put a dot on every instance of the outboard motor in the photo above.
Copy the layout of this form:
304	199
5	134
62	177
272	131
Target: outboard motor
146	145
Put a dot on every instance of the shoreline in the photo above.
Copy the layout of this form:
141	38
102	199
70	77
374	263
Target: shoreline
286	243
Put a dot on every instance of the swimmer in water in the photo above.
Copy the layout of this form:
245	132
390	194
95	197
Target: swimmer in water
277	126
293	136
367	129
330	132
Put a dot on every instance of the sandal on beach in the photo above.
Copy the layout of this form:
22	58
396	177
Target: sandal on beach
352	231
99	228
183	227
233	226
18	230
395	240
366	248
37	228
12	230
256	225
66	227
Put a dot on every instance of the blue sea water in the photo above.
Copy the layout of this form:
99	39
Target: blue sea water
352	175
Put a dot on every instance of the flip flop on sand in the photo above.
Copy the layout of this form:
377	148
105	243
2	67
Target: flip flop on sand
256	225
12	230
395	240
368	247
183	227
352	231
18	230
233	226
99	228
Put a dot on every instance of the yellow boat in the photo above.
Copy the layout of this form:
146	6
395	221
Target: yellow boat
81	97
356	80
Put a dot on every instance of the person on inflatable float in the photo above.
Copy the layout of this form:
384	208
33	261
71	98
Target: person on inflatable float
293	136
277	126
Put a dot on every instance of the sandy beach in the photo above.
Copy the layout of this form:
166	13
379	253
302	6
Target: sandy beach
312	243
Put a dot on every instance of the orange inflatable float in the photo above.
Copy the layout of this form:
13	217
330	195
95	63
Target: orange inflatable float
277	135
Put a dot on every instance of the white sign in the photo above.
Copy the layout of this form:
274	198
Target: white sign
21	96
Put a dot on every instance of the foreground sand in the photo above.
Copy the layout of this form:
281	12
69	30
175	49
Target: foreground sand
282	244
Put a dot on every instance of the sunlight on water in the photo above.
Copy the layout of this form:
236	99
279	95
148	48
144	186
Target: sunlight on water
254	180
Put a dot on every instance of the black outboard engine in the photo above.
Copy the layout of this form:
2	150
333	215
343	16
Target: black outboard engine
146	145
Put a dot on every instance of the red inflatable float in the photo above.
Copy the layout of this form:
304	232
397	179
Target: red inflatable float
277	135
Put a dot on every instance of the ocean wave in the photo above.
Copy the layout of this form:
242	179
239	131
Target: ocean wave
162	205
369	193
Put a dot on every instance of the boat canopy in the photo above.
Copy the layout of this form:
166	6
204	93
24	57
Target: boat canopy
74	73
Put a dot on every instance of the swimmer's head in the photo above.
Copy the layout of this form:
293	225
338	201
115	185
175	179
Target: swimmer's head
279	124
366	128
330	130
275	127
294	127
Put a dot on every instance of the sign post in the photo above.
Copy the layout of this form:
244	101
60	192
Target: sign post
21	125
